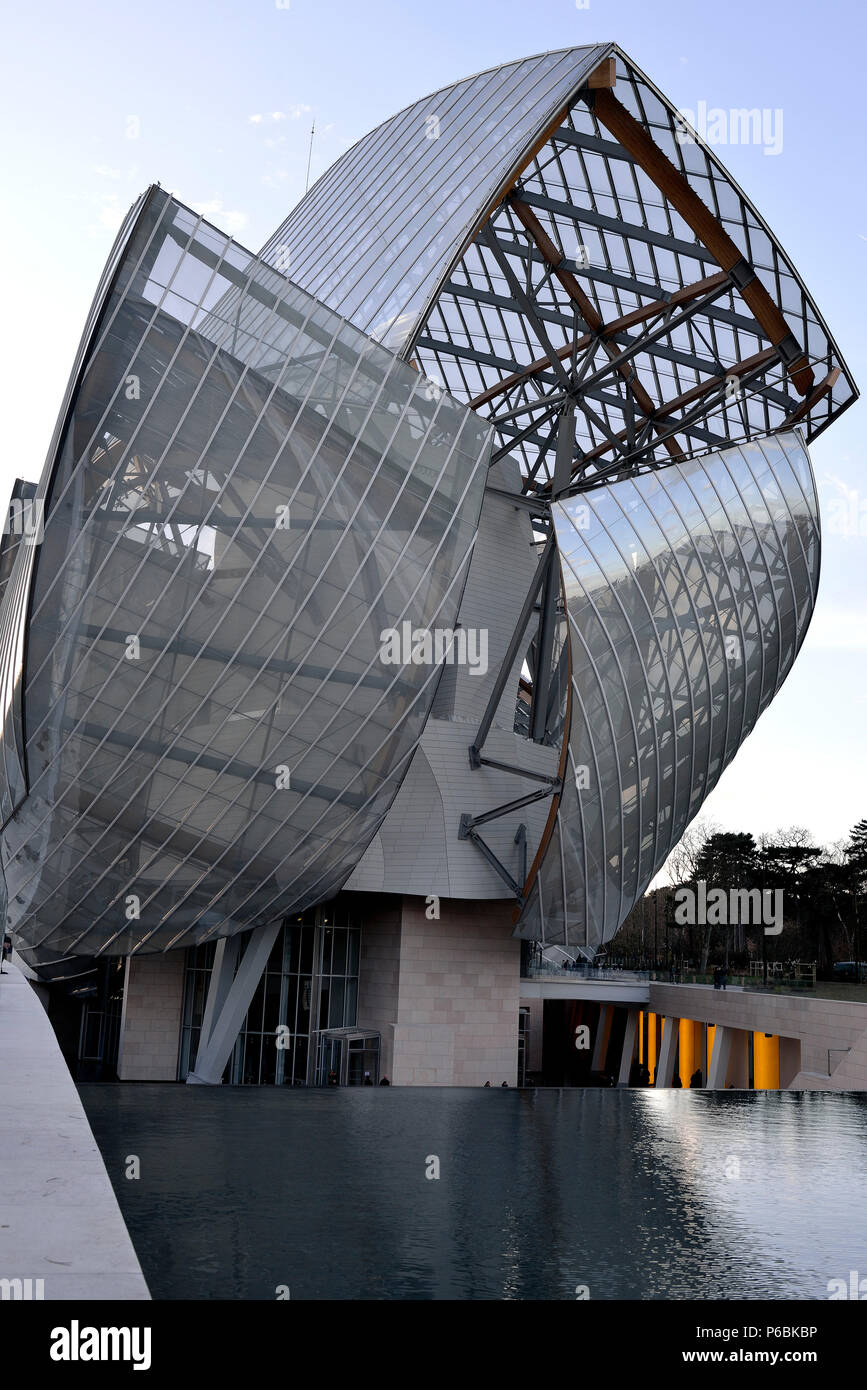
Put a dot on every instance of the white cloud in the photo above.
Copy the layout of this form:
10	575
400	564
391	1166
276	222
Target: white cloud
293	114
110	209
227	219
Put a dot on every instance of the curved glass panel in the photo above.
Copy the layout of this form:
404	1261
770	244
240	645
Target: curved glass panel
247	492
688	593
377	232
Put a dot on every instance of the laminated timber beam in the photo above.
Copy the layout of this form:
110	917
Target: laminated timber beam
553	256
681	297
749	367
671	183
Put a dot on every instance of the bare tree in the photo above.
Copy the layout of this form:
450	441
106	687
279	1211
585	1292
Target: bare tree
680	866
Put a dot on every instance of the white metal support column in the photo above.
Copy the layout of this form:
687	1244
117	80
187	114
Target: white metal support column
667	1053
629	1039
603	1034
719	1058
231	1000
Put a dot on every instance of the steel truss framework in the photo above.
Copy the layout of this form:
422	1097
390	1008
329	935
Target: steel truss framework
624	306
578	270
621	309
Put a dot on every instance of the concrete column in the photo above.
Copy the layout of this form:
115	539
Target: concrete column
738	1072
222	975
630	1038
667	1052
790	1060
603	1034
685	1051
719	1059
766	1062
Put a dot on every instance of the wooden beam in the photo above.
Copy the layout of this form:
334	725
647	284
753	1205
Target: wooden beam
813	399
605	76
609	330
672	184
553	257
749	364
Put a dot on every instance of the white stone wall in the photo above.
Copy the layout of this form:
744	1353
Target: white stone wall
151	1022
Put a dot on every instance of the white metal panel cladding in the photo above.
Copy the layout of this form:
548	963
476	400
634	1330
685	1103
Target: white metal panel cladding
247	492
378	230
688	594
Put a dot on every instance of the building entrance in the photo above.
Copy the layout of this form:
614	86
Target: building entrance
348	1057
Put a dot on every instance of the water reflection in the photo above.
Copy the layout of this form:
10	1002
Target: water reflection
636	1194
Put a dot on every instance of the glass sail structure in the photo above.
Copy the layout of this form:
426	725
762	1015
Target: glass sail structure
525	350
247	491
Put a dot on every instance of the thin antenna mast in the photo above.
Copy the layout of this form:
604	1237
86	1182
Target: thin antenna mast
310	156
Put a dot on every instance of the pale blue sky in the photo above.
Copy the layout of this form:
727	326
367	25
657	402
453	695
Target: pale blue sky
194	73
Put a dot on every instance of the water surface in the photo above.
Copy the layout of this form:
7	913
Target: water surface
635	1194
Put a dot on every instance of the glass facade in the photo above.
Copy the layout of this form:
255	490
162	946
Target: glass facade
252	480
687	598
376	234
246	493
309	985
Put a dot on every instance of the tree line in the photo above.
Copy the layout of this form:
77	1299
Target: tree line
824	897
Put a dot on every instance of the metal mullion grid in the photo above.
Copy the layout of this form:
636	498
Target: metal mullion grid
242	517
152	475
697	554
333	196
642	542
448	369
733	531
341	831
469	272
381	703
287	569
181	558
570	759
96	436
562	858
532	352
748	216
312	697
760	444
576	694
675	627
812	507
485	273
613	589
455	301
781	675
674	561
593	292
437	184
515	95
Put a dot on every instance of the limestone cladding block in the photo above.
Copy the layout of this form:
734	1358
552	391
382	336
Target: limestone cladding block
460	976
151	1019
